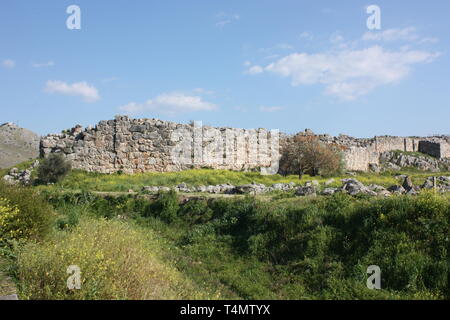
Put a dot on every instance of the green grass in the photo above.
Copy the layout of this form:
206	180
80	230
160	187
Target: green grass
293	248
81	180
20	166
274	246
116	259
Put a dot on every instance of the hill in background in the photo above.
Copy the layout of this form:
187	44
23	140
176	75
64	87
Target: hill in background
17	145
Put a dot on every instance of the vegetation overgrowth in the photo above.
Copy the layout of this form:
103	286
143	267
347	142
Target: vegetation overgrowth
82	180
134	246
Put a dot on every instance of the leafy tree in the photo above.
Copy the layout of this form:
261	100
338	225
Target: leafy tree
306	154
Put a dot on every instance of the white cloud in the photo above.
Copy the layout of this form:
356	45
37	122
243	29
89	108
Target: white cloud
225	18
348	74
8	63
254	70
170	103
405	34
87	92
270	109
43	65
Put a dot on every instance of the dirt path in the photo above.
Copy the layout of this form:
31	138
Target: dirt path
7	286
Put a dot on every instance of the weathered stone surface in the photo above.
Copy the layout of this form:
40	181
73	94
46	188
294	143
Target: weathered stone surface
253	188
407	184
306	191
283	186
329	191
354	187
351	186
24	177
395	160
140	145
396	189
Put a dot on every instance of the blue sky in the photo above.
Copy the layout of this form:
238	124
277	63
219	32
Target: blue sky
285	65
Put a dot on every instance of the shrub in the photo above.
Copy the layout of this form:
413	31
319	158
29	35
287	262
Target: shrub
116	262
165	207
53	168
8	221
195	212
25	214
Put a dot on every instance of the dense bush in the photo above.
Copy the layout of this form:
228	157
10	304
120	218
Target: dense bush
165	207
195	212
116	262
9	219
298	248
328	245
53	168
24	214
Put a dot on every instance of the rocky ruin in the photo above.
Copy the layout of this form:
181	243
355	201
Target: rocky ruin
349	186
140	145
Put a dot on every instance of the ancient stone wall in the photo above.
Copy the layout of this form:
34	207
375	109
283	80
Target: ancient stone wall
140	145
359	154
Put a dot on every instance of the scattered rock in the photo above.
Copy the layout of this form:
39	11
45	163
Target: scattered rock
150	189
384	193
16	176
407	184
398	160
283	186
306	191
396	189
376	188
374	167
253	188
312	183
329	191
428	184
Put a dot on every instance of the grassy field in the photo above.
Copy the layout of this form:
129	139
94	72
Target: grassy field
296	248
273	246
81	180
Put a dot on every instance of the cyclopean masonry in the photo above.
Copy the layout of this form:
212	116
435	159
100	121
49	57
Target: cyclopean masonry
141	145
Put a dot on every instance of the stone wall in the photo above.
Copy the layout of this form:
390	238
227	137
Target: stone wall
140	145
360	153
